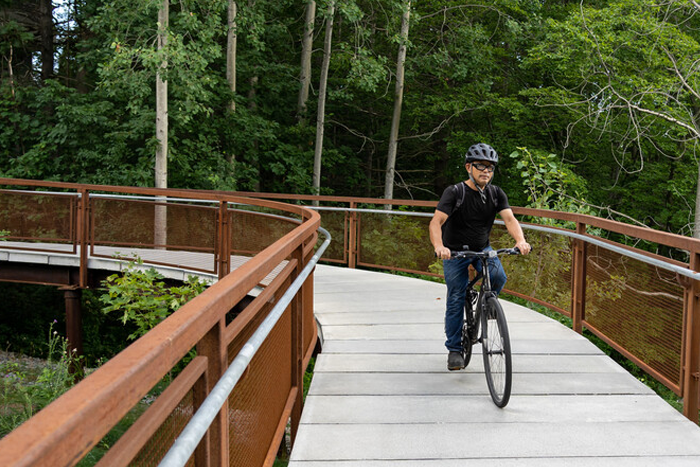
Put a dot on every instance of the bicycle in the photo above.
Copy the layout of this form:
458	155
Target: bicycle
483	307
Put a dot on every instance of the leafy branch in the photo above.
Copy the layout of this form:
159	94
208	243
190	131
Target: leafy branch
142	297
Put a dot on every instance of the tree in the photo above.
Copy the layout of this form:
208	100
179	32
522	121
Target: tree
161	169
321	113
628	71
398	100
306	49
231	45
46	37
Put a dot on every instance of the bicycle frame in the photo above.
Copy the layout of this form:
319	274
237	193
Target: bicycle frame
483	257
490	329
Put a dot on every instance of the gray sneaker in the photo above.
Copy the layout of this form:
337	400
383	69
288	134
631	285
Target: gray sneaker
455	361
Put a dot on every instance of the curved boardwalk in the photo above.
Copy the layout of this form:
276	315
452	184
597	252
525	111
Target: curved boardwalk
382	396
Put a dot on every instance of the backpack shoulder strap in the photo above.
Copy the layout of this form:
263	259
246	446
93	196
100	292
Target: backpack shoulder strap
460	194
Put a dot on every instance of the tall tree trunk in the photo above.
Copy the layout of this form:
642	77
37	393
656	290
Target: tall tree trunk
10	72
231	45
161	169
321	113
696	229
306	47
231	51
253	106
398	99
46	36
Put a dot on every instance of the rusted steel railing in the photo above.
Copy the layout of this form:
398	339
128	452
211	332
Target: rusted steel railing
251	424
648	314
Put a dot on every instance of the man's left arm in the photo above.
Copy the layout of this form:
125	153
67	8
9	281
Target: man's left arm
515	231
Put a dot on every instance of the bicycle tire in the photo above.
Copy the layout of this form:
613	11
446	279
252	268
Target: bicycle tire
466	345
495	340
470	328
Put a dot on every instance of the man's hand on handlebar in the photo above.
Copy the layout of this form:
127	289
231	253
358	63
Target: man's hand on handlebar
442	252
524	247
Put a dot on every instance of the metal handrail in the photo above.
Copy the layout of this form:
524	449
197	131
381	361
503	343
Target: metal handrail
586	238
623	251
185	444
200	321
689	287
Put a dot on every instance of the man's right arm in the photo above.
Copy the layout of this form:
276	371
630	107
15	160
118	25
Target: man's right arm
438	219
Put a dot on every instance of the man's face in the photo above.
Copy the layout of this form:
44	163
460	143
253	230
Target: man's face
482	171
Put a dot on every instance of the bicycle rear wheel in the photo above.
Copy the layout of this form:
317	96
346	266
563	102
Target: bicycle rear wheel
498	364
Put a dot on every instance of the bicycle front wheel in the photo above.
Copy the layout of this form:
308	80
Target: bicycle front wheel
498	364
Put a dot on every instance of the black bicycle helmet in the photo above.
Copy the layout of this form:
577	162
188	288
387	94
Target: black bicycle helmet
481	152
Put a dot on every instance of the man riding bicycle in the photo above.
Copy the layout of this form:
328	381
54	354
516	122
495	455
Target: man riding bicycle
463	219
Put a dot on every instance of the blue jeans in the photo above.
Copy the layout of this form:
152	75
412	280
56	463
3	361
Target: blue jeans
457	277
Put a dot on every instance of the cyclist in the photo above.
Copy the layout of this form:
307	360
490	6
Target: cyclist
463	220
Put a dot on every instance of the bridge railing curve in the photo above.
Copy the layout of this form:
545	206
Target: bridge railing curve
273	242
644	309
650	314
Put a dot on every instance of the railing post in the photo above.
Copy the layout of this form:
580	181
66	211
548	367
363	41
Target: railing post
578	280
352	236
213	448
223	255
691	338
83	235
297	357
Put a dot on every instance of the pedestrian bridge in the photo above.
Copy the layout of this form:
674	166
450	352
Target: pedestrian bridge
381	394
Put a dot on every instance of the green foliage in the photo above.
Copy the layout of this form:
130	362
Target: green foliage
142	297
397	241
24	390
549	184
493	72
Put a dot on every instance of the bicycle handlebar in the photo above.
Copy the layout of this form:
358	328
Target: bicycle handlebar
485	254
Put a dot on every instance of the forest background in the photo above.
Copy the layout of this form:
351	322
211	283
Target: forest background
593	105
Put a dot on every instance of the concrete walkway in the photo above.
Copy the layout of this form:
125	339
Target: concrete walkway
382	396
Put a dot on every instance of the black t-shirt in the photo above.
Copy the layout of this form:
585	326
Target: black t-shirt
471	223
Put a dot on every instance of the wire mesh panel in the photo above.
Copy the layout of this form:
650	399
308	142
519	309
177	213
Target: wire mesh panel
38	217
638	307
159	444
128	227
259	406
544	274
309	327
336	224
130	222
257	402
252	232
399	242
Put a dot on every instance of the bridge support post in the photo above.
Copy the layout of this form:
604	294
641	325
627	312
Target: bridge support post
691	350
578	280
74	333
